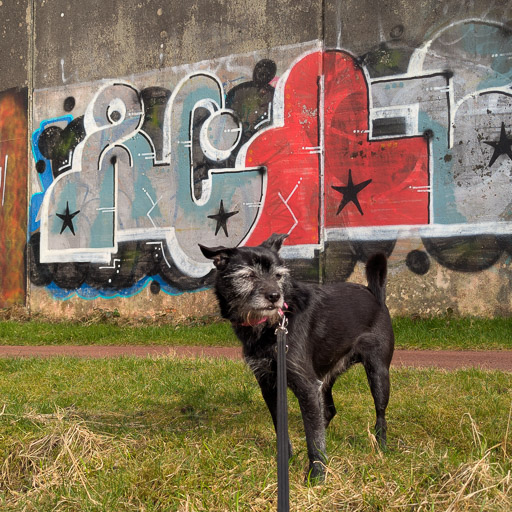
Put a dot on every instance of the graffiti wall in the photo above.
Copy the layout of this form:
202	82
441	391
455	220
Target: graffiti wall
13	195
129	175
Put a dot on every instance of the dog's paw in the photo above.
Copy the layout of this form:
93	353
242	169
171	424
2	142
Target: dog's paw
316	474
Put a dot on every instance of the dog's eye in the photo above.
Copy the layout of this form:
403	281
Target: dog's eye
251	275
279	276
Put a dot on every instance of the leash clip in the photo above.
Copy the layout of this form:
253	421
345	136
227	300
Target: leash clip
281	332
283	324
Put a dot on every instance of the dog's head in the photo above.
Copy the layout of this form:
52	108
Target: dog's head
251	282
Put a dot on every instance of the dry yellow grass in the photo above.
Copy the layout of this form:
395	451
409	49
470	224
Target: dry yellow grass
62	457
164	435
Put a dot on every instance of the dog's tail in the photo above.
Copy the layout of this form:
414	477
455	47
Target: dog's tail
376	274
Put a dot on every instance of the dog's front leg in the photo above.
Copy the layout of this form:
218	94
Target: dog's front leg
268	386
312	409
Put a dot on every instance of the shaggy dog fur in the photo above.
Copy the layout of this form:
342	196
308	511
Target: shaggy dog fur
331	327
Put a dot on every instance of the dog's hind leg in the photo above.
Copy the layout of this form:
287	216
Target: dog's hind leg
377	372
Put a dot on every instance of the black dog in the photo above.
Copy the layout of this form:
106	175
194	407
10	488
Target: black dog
330	328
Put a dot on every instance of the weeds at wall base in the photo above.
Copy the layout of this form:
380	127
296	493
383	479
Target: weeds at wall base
96	315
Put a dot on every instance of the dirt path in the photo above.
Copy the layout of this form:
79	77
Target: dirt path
448	359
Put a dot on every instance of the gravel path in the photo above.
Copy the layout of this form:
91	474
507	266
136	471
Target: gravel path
447	359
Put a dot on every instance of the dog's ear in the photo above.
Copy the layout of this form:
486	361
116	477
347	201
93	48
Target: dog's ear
219	255
274	242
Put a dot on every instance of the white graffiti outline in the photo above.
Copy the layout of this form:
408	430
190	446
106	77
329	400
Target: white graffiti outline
285	201
154	203
163	251
84	254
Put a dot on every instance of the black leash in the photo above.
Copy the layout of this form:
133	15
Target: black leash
283	483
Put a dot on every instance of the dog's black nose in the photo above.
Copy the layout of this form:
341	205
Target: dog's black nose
273	297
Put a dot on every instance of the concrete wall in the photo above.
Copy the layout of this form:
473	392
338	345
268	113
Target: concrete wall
151	126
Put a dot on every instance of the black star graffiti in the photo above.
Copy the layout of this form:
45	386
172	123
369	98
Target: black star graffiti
67	219
501	146
350	192
222	218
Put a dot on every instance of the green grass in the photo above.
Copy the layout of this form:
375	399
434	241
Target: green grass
13	332
425	333
453	333
194	435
